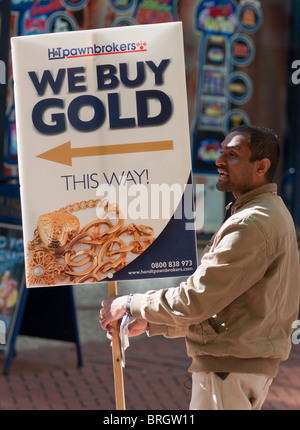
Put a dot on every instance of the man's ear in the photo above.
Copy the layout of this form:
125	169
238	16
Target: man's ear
262	166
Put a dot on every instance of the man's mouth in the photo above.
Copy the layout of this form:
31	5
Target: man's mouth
222	174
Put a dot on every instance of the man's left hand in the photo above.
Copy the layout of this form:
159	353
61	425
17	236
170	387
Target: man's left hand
113	309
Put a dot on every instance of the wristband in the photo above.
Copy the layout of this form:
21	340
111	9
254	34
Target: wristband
128	310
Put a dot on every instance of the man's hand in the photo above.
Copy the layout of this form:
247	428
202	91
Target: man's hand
137	327
113	309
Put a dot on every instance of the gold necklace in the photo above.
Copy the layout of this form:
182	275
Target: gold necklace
53	254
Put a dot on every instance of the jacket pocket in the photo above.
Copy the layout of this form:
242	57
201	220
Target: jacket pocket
205	332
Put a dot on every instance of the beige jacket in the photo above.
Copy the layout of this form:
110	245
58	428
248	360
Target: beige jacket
237	309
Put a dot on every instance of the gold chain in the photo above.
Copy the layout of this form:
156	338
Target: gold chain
103	241
84	204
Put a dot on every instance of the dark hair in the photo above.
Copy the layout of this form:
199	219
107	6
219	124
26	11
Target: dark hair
263	143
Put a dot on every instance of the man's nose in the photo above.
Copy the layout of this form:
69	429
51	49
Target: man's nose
220	161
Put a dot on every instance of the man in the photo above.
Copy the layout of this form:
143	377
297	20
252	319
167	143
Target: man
237	309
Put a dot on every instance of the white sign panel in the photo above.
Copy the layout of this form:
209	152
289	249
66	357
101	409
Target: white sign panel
104	155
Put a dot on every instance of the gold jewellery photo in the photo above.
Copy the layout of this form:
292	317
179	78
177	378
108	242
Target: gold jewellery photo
62	253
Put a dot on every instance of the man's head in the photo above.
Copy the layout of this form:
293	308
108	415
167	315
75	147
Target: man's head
248	159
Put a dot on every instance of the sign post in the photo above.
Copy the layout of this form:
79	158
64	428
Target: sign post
117	357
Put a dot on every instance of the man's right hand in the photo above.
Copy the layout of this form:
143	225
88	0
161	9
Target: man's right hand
137	327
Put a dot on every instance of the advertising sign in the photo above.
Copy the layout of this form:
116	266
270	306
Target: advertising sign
223	89
104	155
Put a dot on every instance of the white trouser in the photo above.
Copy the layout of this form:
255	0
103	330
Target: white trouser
232	391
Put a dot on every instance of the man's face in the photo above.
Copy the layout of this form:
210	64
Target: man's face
236	173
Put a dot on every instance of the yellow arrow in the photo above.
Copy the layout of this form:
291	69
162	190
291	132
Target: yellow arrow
64	154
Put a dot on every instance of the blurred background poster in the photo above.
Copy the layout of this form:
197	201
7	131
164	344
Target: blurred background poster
11	279
238	57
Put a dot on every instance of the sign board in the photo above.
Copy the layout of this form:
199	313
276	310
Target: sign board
104	155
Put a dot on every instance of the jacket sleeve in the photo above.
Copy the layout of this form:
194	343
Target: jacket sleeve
236	261
167	331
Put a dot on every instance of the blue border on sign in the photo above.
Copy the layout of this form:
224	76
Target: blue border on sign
258	14
114	5
248	85
75	6
248	41
239	112
56	15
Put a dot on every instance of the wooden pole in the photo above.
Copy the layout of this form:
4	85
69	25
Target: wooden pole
117	357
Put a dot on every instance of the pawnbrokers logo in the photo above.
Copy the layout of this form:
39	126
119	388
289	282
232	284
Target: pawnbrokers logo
89	51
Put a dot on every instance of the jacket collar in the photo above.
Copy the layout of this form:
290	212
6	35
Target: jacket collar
245	198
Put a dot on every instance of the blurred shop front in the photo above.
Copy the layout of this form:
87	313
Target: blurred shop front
240	68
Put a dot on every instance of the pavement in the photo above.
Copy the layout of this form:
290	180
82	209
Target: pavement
155	378
44	374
